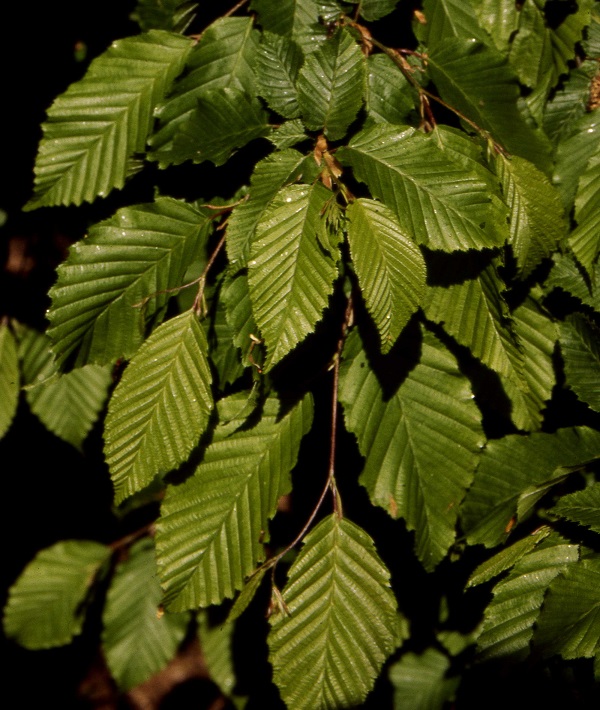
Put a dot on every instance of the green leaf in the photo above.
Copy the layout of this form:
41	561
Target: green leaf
499	18
290	275
45	606
512	465
174	15
584	240
120	276
269	176
373	10
236	296
223	353
389	266
537	221
278	64
388	96
421	439
569	103
476	79
211	529
340	623
247	594
568	276
420	681
9	378
240	118
216	644
591	42
436	201
160	407
101	121
296	19
224	57
580	349
570	620
288	134
330	85
447	19
582	507
509	619
138	640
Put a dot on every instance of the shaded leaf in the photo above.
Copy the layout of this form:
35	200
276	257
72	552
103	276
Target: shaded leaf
582	507
584	240
160	407
236	296
569	103
278	63
340	624
216	642
45	606
420	681
296	19
173	15
568	276
247	594
138	640
288	134
580	349
388	96
210	534
449	18
9	378
373	10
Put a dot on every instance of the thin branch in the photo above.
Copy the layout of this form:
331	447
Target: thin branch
132	537
202	278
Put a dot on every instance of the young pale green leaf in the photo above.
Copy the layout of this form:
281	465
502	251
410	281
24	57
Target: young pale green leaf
509	619
137	639
9	378
340	621
389	266
507	557
582	507
420	681
95	128
569	623
537	221
388	96
240	118
330	85
299	20
289	273
174	15
568	276
216	643
269	176
499	18
585	239
475	79
449	18
579	346
210	534
160	407
437	201
224	57
512	465
278	64
118	278
421	440
45	606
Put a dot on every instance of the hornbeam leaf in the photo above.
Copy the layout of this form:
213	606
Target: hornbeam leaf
296	19
100	122
582	507
137	640
499	18
373	10
236	296
579	340
568	276
475	78
290	274
279	61
223	58
341	622
585	239
421	440
45	606
288	134
420	681
570	620
240	118
9	378
449	18
120	276
269	176
569	103
537	221
160	407
509	620
216	643
210	533
330	85
436	200
512	465
389	266
388	96
173	15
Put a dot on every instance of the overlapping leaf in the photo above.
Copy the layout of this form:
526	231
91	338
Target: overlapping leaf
388	96
290	274
278	63
580	349
421	441
568	276
95	128
373	10
585	240
341	621
216	643
173	15
581	507
46	604
296	19
569	103
436	201
236	296
137	640
116	279
330	85
499	18
446	19
160	407
211	529
516	467
9	378
389	266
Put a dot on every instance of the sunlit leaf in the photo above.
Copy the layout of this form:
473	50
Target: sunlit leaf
279	61
388	98
584	240
9	378
449	18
